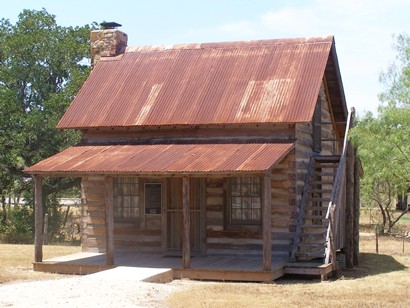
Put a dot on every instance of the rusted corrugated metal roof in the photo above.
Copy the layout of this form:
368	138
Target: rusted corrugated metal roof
269	81
164	159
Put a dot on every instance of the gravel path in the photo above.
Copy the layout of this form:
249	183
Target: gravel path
88	291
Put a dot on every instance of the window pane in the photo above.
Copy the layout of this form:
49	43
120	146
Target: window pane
246	199
256	203
126	200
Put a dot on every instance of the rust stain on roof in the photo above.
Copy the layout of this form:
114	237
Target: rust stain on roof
269	81
165	159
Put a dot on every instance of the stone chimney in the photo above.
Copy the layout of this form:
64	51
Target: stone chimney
107	42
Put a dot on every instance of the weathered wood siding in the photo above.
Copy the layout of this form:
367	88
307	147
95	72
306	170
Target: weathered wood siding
93	218
145	234
304	142
220	239
284	206
166	133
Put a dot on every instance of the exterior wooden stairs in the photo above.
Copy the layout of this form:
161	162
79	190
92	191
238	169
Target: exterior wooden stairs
313	223
321	217
311	245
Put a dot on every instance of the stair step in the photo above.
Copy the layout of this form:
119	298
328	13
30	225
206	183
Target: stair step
322	182
316	208
323	200
310	255
322	226
318	217
324	174
327	164
320	191
314	236
312	245
315	198
325	158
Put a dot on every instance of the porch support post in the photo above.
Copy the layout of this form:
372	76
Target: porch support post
186	249
38	217
109	221
267	222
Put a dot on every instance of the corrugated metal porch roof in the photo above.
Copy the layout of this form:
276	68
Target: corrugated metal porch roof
268	81
164	159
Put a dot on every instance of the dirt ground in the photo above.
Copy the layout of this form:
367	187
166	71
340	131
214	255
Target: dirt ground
88	291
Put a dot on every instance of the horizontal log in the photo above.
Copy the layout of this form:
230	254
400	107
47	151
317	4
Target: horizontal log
228	241
214	215
214	207
135	231
234	234
214	200
136	243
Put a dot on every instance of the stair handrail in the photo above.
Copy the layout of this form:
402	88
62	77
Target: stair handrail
336	196
302	209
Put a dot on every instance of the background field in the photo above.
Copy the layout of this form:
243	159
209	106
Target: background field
382	279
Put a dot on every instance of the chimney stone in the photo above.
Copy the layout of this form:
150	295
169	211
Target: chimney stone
107	43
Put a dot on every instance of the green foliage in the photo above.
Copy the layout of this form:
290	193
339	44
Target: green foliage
42	67
384	140
18	227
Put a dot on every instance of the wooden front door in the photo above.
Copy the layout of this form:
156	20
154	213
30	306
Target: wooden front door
174	215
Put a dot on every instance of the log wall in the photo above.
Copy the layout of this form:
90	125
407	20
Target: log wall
224	239
93	216
144	235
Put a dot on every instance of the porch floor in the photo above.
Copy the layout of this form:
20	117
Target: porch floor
161	268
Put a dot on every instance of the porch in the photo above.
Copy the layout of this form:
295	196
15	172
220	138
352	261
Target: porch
162	268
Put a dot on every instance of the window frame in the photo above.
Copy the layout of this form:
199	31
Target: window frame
132	219
232	222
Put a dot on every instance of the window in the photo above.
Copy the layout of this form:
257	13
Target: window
126	200
246	200
317	127
153	198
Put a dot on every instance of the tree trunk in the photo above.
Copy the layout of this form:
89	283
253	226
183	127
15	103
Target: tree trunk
3	209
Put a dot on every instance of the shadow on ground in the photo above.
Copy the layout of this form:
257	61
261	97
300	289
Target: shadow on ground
372	264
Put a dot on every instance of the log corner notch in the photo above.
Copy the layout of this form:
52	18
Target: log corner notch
38	217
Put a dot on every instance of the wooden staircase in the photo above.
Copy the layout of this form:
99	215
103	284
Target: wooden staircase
311	237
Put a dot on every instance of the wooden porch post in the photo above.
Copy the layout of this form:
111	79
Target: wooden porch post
38	203
186	249
109	221
267	222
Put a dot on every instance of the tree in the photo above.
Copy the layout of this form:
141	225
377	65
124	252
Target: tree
42	67
384	140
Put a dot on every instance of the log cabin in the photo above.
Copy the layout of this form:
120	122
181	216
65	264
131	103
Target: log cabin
230	159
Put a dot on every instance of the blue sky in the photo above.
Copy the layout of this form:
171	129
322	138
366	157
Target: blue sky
363	29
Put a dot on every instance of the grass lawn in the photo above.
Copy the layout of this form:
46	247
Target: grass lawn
381	280
16	261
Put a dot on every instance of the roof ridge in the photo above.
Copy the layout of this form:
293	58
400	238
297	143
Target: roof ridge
233	44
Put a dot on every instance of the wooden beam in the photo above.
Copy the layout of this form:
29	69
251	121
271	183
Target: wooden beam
38	217
186	249
109	220
356	210
267	222
349	225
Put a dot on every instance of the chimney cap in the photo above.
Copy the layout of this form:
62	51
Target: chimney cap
109	25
